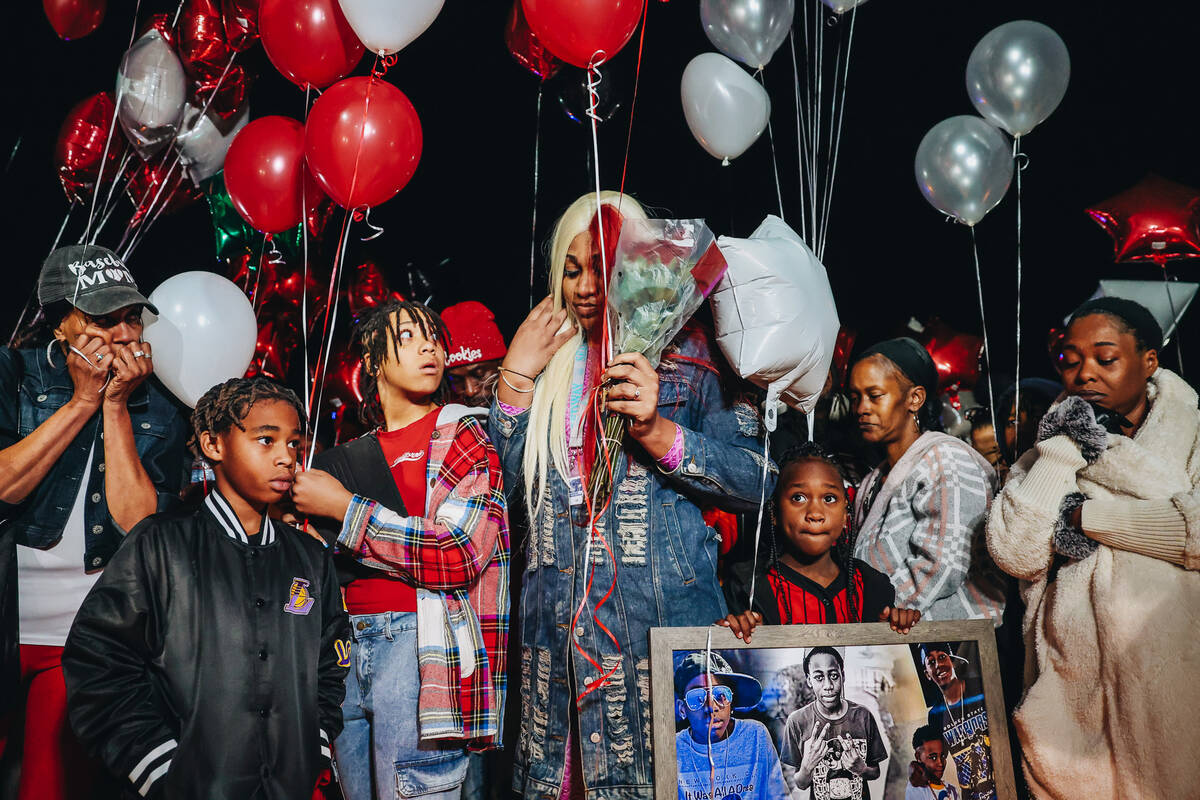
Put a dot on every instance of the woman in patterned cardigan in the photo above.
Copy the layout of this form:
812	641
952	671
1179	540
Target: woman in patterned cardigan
921	512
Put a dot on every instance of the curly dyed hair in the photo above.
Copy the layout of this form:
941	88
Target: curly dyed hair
843	549
225	405
374	329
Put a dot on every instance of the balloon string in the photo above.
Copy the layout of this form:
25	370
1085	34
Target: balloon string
112	125
258	271
801	138
836	132
363	214
109	203
537	145
304	332
32	301
987	348
762	502
276	257
1174	314
774	160
593	85
382	64
818	78
318	386
1022	161
637	77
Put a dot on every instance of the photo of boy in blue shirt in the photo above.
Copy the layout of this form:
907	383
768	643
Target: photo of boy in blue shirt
719	755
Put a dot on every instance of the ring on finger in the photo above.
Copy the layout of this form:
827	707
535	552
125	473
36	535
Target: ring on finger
637	392
100	357
140	354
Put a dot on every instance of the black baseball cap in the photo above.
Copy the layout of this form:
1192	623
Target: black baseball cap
91	278
747	691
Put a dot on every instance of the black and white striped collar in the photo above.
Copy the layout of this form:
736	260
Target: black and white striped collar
219	507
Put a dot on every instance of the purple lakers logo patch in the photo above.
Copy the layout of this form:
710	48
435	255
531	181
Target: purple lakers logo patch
299	600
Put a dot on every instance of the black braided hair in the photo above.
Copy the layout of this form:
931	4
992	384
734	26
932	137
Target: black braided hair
225	405
371	334
843	549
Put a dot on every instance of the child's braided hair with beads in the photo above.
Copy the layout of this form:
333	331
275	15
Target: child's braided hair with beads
843	549
225	405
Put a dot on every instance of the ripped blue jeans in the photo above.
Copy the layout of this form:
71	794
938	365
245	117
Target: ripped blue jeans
379	753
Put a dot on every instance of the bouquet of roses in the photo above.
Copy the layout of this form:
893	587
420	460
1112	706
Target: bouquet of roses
661	273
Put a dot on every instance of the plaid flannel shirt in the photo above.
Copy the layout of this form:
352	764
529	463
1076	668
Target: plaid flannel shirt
458	559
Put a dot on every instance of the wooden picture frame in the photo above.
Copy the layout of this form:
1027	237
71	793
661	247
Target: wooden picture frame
858	644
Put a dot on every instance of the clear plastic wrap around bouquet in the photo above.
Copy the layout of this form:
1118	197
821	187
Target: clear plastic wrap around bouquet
662	271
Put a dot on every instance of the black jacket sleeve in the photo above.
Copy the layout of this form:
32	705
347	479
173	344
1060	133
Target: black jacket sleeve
334	662
878	592
115	708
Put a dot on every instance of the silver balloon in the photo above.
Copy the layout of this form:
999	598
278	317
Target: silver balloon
842	6
747	30
1017	75
151	92
725	108
964	166
204	139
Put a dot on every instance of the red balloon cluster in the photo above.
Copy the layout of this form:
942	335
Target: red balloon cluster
208	57
158	187
1157	220
956	356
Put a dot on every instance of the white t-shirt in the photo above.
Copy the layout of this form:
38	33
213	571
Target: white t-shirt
51	584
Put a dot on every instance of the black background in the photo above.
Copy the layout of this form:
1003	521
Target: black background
1128	111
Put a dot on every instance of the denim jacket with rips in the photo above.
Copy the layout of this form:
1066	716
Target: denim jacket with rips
31	390
666	575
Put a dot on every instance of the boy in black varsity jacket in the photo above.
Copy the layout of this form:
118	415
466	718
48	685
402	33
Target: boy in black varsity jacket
208	661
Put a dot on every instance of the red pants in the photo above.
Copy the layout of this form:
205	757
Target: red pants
53	764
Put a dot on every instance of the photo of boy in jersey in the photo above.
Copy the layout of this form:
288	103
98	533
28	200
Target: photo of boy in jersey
719	755
961	716
833	743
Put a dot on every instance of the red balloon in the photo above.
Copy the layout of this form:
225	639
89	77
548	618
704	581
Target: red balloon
80	146
525	47
278	338
309	41
368	289
956	356
578	30
158	188
362	141
840	364
1156	220
74	19
202	47
240	18
228	94
264	173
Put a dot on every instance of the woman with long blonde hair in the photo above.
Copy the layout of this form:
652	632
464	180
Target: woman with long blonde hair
584	661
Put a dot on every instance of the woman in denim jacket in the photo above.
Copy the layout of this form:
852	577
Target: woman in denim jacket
88	448
687	445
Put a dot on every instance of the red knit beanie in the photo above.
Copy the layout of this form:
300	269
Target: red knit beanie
474	336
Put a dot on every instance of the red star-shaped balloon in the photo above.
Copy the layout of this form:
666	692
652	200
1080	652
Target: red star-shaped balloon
955	354
1156	220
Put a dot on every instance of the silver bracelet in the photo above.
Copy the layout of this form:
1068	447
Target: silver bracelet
515	389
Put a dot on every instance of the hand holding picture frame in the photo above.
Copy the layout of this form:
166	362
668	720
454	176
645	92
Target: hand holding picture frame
838	712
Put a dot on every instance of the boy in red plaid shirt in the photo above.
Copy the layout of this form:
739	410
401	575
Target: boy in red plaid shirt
418	513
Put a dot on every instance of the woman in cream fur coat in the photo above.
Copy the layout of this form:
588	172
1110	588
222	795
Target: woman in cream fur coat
1101	523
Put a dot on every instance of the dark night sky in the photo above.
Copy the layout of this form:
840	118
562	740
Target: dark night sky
889	256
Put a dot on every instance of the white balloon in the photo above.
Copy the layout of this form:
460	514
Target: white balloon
725	108
204	333
151	91
204	139
842	6
387	26
1018	74
775	318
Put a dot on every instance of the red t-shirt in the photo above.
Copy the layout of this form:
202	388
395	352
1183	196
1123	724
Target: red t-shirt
805	602
407	452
